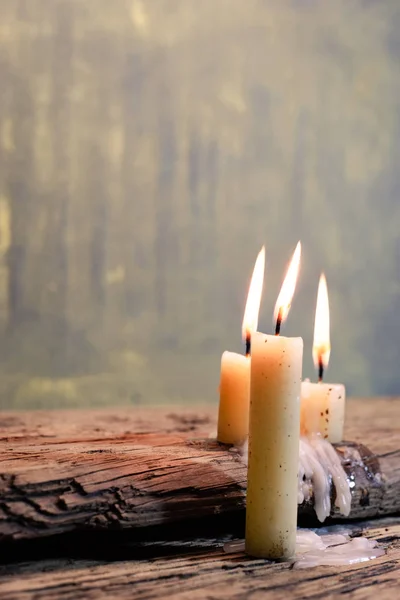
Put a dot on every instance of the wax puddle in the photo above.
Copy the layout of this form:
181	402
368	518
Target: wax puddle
334	549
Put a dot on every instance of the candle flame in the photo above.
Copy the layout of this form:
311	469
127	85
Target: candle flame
250	319
284	301
322	345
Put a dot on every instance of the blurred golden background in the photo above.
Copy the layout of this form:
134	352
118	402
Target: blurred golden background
149	148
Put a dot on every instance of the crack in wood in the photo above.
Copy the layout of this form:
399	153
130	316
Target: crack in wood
165	486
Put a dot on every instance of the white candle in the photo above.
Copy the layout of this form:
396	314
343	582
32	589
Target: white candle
276	367
234	389
322	404
323	409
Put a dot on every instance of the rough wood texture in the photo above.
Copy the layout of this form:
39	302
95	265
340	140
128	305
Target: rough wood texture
183	569
130	470
209	574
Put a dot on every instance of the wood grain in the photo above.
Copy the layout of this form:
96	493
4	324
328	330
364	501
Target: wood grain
187	565
135	470
209	574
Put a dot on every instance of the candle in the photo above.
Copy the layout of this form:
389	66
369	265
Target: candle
276	366
322	404
234	389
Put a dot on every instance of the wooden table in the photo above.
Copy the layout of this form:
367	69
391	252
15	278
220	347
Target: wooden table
87	510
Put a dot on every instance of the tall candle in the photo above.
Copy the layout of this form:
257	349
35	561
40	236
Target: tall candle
322	404
276	367
234	389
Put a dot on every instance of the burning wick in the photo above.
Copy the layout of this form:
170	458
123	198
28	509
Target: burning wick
322	345
252	308
320	369
248	344
284	300
278	322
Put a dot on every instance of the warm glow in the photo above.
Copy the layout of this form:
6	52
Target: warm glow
250	319
322	343
284	301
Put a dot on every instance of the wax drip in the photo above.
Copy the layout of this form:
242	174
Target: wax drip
319	465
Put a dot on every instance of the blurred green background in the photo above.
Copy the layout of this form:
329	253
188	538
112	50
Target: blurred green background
148	148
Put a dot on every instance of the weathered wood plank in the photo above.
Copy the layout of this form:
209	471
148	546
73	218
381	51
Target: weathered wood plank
209	575
130	470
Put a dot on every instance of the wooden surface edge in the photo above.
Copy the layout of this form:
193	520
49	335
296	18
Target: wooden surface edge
203	571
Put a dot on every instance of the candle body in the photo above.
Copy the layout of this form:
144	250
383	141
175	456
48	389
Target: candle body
234	397
322	410
274	430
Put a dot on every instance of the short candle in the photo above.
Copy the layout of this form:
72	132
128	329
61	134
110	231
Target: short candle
234	389
322	404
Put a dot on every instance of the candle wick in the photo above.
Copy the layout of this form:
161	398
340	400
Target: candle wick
320	369
248	344
278	322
